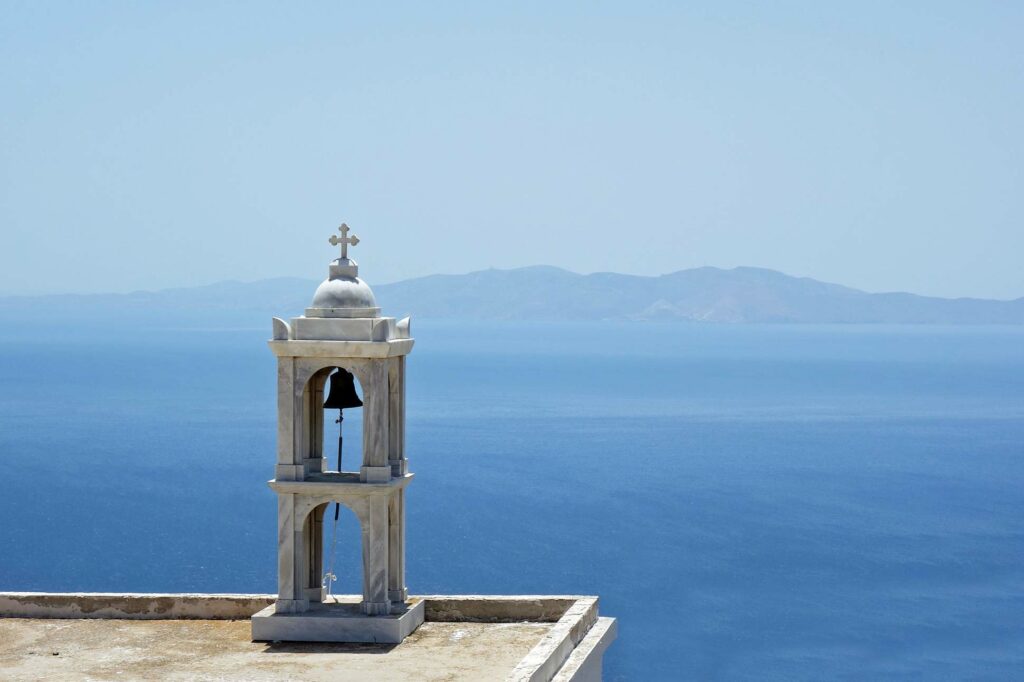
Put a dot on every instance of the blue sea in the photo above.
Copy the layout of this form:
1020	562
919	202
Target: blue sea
751	502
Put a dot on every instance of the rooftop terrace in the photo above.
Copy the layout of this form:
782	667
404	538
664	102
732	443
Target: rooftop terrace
207	637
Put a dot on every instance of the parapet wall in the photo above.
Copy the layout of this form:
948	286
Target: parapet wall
133	606
158	606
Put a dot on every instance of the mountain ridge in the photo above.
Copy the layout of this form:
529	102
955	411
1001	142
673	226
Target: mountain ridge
743	294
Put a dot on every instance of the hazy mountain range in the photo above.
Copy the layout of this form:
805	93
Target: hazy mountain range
740	295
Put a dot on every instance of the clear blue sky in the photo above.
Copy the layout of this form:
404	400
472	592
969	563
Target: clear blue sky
148	145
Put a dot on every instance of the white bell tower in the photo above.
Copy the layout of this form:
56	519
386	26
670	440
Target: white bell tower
342	330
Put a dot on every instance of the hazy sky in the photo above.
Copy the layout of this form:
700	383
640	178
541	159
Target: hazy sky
148	145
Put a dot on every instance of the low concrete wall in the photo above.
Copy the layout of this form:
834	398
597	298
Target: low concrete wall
545	659
585	662
477	608
445	608
134	606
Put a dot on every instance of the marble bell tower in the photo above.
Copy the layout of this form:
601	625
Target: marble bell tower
342	331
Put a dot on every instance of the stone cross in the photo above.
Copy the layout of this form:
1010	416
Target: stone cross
345	240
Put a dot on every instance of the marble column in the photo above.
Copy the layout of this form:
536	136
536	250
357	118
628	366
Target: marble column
375	467
397	591
373	519
290	557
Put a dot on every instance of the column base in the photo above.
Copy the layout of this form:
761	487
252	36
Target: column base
290	605
372	608
338	621
375	474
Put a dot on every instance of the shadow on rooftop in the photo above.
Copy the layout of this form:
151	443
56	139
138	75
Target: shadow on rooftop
326	648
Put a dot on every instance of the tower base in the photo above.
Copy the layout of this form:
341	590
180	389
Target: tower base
338	621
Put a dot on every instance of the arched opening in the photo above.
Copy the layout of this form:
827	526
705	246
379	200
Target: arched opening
334	422
339	568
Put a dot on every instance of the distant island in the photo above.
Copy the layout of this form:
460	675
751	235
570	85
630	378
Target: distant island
739	295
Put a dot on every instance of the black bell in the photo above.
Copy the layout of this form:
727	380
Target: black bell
342	393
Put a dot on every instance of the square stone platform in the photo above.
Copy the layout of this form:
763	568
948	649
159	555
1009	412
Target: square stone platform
337	619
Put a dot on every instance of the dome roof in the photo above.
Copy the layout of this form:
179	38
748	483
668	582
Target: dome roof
344	292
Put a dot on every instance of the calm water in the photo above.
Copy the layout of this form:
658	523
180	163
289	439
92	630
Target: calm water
751	502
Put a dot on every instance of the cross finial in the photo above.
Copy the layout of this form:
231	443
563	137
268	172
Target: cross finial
344	240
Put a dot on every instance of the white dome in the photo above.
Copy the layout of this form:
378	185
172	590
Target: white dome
344	292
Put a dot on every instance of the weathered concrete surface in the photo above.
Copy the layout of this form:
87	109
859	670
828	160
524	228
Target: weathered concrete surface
548	655
95	649
498	609
584	664
568	638
139	606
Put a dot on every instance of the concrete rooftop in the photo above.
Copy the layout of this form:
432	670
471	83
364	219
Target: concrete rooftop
33	649
208	637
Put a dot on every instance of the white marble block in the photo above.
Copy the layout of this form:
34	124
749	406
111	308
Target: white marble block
338	621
